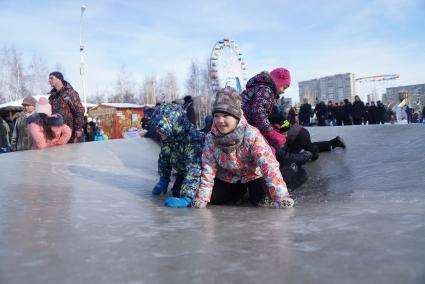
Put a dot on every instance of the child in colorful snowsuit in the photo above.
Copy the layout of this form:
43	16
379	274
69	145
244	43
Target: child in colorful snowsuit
258	99
236	158
181	150
47	130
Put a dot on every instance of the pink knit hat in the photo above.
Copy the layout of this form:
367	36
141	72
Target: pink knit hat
43	106
281	77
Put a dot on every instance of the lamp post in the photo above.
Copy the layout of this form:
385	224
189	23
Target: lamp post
83	8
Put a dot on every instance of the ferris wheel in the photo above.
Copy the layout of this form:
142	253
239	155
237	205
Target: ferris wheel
227	67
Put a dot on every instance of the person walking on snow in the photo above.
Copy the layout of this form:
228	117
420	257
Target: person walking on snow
181	150
47	130
237	159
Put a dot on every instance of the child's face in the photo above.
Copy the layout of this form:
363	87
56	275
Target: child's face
224	122
163	136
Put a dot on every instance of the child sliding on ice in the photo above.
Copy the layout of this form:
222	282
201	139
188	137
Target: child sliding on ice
181	150
236	158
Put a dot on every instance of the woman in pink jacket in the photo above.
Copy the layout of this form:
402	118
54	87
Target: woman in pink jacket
236	159
47	130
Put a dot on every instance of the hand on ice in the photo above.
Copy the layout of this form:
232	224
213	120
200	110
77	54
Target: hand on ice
199	204
175	202
142	133
161	186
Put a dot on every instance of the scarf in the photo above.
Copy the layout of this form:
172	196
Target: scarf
230	142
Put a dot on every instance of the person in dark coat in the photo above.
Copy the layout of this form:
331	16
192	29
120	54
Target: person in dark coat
331	114
190	110
4	139
90	129
372	113
348	112
380	113
339	110
366	114
358	111
321	113
208	124
66	101
305	113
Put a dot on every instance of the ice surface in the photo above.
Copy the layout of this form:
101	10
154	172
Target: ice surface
84	214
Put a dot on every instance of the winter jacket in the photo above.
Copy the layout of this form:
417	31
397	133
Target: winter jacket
250	159
4	141
67	103
40	141
182	150
258	100
190	111
305	114
21	138
358	109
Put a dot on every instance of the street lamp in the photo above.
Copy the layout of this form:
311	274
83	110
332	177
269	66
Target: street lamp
83	8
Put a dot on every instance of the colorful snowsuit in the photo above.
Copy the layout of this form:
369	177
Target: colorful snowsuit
182	150
249	160
258	100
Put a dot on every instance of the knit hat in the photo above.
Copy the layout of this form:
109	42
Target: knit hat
281	77
29	101
57	75
187	99
228	100
43	106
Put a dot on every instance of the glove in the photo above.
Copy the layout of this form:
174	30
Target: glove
176	202
199	204
275	138
161	186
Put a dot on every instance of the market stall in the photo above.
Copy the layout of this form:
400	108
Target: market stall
118	120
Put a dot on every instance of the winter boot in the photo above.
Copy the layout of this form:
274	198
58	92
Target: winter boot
337	142
284	157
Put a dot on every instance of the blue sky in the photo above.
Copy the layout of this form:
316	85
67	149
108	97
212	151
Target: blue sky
311	38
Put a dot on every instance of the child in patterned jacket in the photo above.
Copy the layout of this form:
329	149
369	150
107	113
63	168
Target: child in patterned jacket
181	150
236	159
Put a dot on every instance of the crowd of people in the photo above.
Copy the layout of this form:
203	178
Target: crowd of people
245	149
343	113
49	122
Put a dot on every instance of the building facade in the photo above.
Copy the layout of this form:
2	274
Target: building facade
331	88
395	95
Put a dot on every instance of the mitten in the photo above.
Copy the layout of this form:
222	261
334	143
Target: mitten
199	204
176	202
275	138
161	186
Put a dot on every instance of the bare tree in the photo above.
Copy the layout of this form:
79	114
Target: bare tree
59	68
168	88
99	97
124	88
194	82
149	91
12	74
36	76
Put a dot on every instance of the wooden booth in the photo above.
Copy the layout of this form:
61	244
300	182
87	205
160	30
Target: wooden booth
116	119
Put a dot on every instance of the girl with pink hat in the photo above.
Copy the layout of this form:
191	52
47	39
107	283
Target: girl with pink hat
47	130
